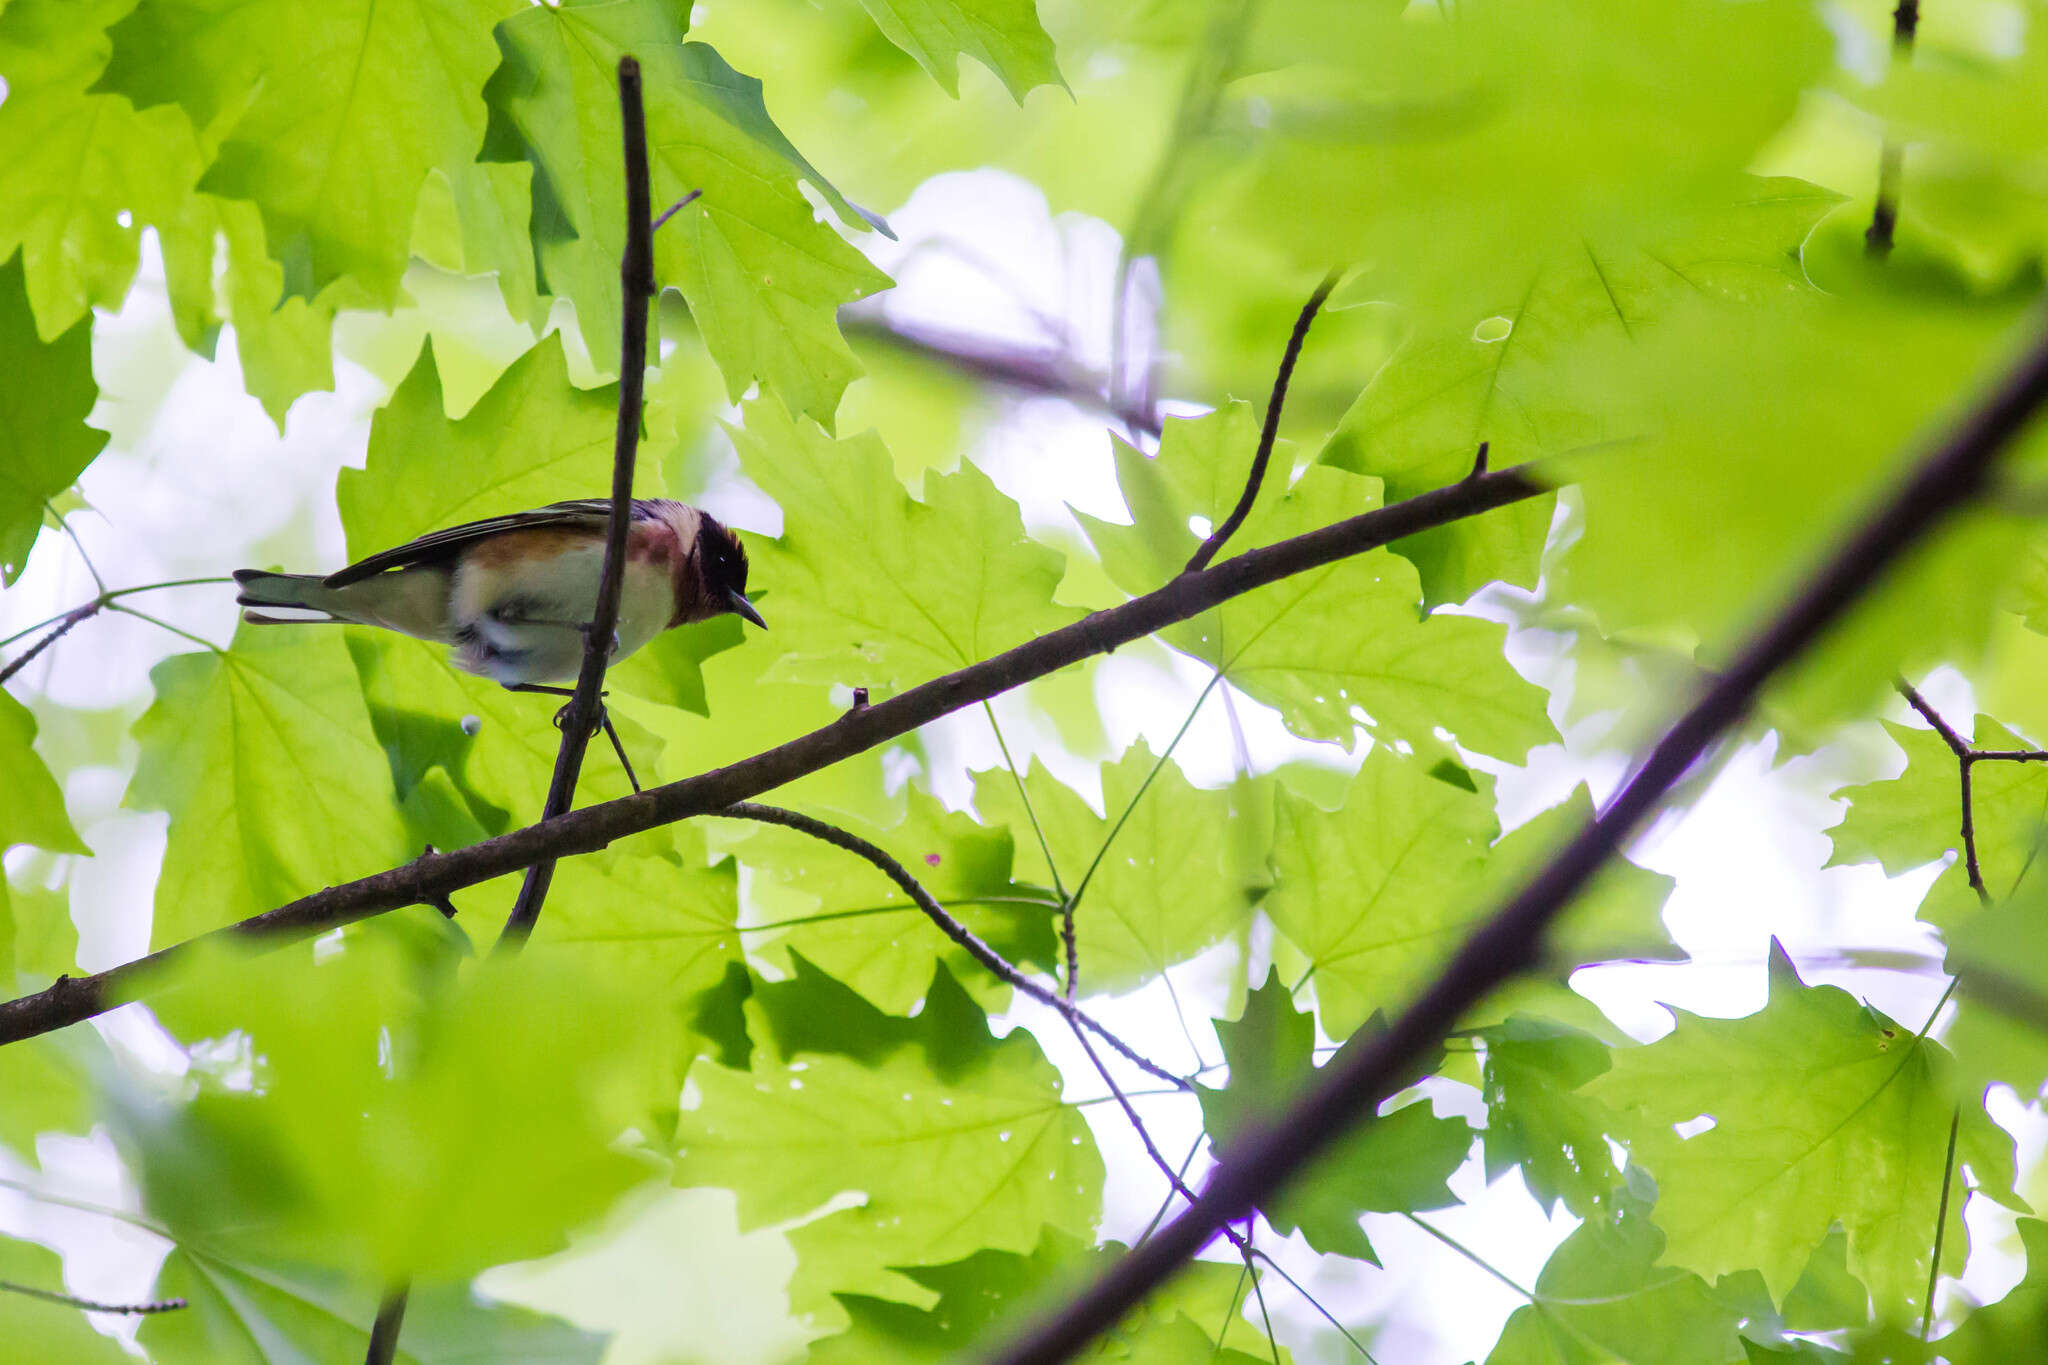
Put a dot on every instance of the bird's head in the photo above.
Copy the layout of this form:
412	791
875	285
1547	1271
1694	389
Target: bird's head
711	568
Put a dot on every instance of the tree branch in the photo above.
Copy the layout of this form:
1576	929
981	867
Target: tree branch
1967	759
585	711
1350	1089
950	927
92	1305
1045	369
73	999
1269	433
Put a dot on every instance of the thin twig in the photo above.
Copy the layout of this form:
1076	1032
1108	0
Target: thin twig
93	1305
673	209
580	721
1348	1090
1948	1175
1269	433
1891	158
1314	1303
1967	758
1957	745
947	925
75	999
64	626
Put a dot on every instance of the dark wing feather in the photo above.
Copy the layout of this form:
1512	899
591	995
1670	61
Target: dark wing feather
440	545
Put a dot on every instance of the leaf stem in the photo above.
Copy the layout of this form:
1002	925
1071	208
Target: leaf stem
1948	1175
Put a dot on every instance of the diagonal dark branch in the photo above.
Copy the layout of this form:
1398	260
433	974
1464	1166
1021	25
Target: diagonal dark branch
947	925
73	999
1349	1089
586	707
92	1305
1256	476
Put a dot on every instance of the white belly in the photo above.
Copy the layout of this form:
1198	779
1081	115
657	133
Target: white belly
525	619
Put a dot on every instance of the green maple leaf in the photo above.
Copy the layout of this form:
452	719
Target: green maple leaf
2012	1328
1323	645
1824	1112
1398	1162
475	219
1455	157
418	703
35	807
2000	958
47	1087
391	1097
875	588
1003	35
35	927
46	392
863	930
762	276
747	707
81	172
36	1329
1916	818
1536	1119
991	1293
335	115
1776	425
1603	1298
1184	870
917	1096
285	346
276	787
247	1312
531	439
1379	892
1502	375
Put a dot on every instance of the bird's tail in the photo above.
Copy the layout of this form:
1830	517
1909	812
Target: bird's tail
298	591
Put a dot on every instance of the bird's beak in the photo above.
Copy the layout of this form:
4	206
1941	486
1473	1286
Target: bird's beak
743	607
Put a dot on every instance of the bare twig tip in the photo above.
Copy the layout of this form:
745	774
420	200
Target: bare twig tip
673	209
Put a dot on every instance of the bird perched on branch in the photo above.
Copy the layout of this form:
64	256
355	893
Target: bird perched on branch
514	594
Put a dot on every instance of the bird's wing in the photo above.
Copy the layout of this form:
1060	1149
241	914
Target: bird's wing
439	545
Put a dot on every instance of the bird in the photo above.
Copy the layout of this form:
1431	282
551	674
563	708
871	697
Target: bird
513	595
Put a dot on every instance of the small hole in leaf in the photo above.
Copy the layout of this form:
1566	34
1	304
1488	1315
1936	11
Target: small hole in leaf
1492	329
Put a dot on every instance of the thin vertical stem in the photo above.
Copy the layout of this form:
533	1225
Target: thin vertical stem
1948	1175
581	717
